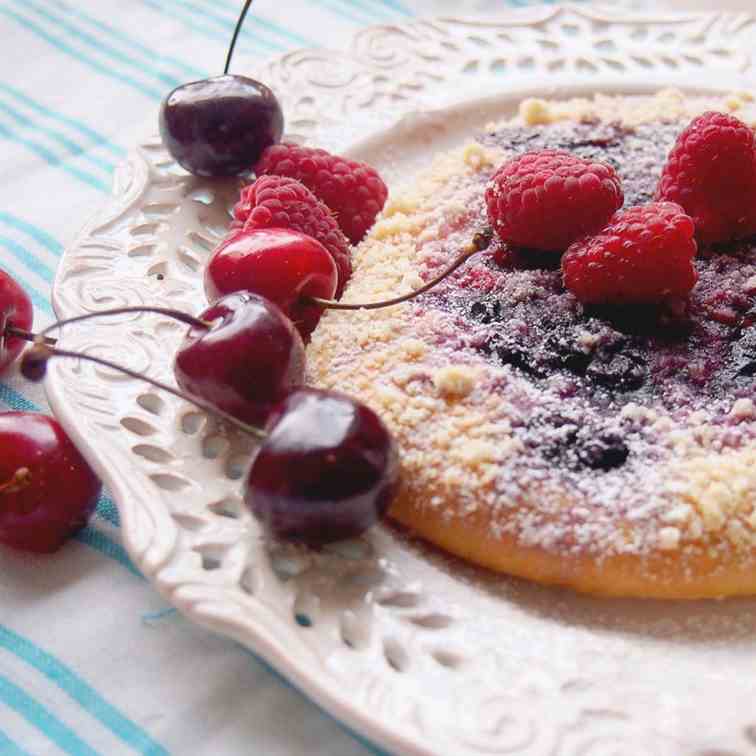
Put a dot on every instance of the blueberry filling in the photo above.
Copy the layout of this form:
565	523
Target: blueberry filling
598	359
567	442
744	354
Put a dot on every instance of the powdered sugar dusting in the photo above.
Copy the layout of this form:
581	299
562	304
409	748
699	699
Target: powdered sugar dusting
604	402
580	430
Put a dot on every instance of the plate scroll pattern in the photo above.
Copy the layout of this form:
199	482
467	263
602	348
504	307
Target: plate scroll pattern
423	657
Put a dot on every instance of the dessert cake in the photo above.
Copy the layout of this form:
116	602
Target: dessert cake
609	450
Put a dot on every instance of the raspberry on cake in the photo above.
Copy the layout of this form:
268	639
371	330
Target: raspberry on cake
644	256
609	449
353	190
711	173
280	202
547	199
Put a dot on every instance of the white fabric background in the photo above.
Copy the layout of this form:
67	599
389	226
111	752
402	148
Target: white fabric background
91	659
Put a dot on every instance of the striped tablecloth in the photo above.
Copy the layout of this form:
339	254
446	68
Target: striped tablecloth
91	659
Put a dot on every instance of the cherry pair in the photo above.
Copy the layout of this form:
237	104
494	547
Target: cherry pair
327	467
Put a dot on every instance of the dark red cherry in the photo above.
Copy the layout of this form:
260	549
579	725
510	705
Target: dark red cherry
327	470
246	362
47	489
16	311
282	265
220	126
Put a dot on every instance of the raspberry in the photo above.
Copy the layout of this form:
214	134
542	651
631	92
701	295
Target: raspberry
546	200
280	202
354	191
644	256
711	174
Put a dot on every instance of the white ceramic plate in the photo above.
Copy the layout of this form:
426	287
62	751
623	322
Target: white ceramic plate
422	655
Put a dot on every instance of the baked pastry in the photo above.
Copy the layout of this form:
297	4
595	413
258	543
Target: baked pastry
601	450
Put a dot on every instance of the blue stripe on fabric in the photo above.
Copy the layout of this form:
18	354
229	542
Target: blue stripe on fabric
97	43
31	262
16	401
99	139
227	26
107	509
81	692
189	22
342	11
52	159
290	685
78	55
126	39
371	10
399	7
281	31
98	541
180	12
75	149
153	617
35	232
41	718
228	21
9	748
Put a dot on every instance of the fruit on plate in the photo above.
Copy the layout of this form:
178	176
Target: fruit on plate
283	266
353	190
326	471
246	361
280	202
220	126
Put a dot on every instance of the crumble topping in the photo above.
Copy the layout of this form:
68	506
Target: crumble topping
743	409
669	539
454	380
721	492
577	433
476	156
668	104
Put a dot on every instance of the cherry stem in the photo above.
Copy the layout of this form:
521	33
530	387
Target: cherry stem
480	242
175	314
17	333
20	480
41	353
238	28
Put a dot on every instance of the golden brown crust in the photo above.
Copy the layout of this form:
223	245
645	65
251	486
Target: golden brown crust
694	537
656	575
